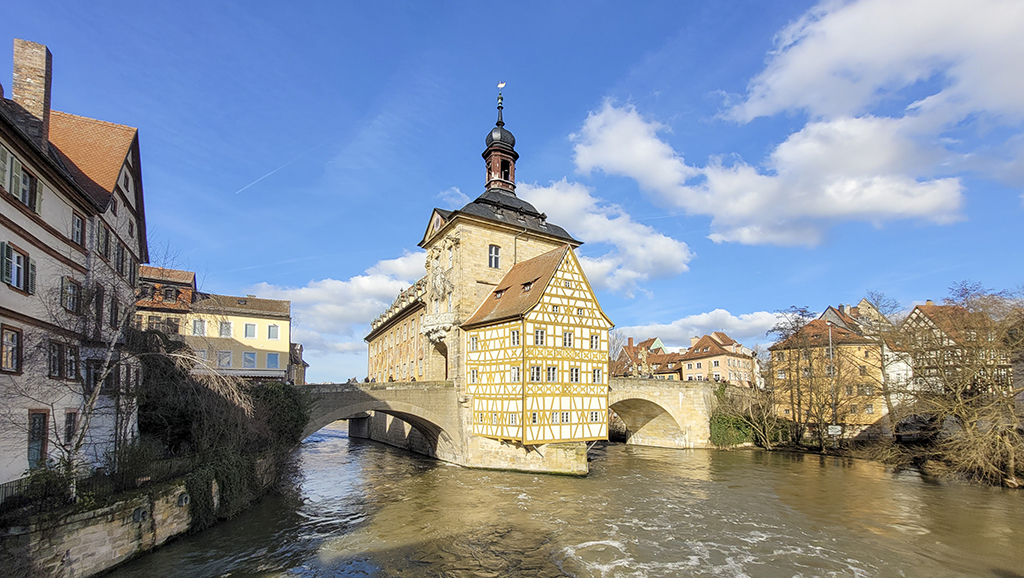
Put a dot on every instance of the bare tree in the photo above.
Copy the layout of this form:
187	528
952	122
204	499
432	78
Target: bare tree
785	364
616	340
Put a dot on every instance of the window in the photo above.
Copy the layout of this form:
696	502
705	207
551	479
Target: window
595	416
515	337
689	366
472	343
115	312
714	363
199	327
534	373
565	417
71	293
98	299
30	192
472	375
119	259
250	331
527	287
77	229
849	390
869	408
515	374
71	362
200	353
131	229
113	206
56	360
170	295
567	284
70	426
863	370
595	341
853	408
133	271
18	270
249	359
567	339
103	241
574	374
552	373
597	375
538	337
37	428
225	329
579	311
698	365
273	332
493	260
781	374
533	417
223	359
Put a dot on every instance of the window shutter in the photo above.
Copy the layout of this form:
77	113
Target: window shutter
64	292
38	208
3	168
6	262
15	188
31	276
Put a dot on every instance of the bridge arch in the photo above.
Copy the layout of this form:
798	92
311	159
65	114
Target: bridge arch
663	413
427	432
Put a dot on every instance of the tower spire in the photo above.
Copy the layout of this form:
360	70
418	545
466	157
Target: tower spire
500	122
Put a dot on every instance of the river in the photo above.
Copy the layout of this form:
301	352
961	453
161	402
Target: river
359	508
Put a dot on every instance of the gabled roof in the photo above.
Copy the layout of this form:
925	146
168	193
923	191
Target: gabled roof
816	334
519	290
948	318
230	305
147	272
93	150
722	339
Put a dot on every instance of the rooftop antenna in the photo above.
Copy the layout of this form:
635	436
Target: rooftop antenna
500	122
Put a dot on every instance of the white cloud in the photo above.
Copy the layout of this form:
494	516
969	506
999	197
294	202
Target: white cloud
453	198
843	58
639	252
747	328
948	69
331	316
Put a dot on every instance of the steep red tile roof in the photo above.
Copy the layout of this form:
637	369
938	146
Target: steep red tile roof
93	150
816	334
722	338
171	275
514	301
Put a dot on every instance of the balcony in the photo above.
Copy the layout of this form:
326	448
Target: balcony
437	325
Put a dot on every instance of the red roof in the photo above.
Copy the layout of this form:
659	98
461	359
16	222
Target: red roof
519	290
816	334
94	151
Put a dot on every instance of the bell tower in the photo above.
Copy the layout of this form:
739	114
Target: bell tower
500	156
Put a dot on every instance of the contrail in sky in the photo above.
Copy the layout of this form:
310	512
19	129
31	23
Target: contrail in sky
277	169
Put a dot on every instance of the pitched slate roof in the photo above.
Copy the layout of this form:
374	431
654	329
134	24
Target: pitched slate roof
505	207
511	298
230	305
93	150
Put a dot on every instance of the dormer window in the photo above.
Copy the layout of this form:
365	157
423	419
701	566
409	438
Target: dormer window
527	286
499	293
170	294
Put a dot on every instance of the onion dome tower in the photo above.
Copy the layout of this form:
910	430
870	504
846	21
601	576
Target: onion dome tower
500	156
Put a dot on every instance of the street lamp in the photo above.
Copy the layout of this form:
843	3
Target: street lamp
832	374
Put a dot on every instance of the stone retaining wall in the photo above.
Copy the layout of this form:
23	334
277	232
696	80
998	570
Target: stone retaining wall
86	543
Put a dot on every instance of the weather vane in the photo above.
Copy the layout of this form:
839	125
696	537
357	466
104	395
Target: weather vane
501	85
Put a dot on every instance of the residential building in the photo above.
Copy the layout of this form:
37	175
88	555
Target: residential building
165	299
504	311
835	370
718	357
72	233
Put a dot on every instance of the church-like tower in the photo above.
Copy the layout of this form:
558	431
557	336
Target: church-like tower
500	156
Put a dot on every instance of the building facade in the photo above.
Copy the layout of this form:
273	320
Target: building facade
72	233
531	352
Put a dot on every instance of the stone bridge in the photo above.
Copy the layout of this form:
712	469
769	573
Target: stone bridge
433	418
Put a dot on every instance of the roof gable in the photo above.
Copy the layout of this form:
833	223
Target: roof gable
519	290
93	150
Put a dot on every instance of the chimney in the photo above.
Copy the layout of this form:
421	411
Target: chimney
842	308
631	342
694	340
33	73
929	302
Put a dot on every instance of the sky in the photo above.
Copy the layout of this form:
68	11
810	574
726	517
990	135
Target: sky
720	160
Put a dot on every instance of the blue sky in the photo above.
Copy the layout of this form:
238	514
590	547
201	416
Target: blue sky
721	160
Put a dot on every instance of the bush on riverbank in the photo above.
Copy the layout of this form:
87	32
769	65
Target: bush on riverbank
729	430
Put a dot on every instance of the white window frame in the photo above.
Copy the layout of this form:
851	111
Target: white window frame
515	337
271	329
230	329
538	337
245	332
516	377
221	357
574	375
199	324
535	373
472	375
595	341
473	343
567	339
596	375
494	256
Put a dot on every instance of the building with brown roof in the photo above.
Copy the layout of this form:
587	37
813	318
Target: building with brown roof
505	312
72	233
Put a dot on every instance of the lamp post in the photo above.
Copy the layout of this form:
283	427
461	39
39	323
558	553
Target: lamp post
832	374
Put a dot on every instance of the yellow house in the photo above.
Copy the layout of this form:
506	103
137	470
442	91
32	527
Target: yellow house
241	336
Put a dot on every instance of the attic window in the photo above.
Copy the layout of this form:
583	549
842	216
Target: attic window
527	286
241	302
499	293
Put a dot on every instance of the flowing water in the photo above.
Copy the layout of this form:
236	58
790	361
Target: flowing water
359	508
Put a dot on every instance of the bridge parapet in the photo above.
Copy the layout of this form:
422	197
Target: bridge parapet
318	388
